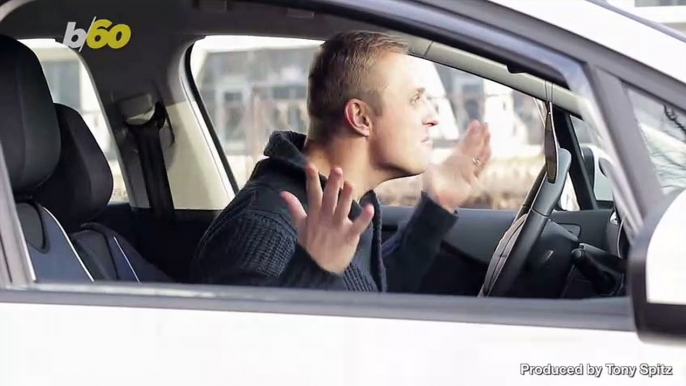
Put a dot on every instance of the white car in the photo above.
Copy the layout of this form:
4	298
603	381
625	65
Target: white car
95	291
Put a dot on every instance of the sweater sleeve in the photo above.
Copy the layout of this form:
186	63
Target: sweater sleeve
255	249
410	252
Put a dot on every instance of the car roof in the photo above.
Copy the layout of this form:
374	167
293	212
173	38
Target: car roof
611	28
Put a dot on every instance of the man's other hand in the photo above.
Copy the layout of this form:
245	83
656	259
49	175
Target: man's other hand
451	182
325	231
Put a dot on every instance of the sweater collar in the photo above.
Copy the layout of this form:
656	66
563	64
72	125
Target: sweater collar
286	147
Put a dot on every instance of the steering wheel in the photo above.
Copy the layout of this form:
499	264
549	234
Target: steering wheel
514	249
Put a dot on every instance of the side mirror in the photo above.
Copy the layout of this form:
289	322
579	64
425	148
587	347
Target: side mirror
657	272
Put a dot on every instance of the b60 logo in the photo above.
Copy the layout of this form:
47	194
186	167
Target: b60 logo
101	33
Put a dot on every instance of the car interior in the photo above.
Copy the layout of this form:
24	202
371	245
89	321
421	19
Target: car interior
178	178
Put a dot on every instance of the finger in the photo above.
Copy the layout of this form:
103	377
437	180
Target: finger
362	221
314	191
331	190
296	209
344	203
472	181
487	136
485	155
474	125
484	150
480	171
483	162
474	138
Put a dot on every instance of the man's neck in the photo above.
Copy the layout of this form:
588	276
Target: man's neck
352	156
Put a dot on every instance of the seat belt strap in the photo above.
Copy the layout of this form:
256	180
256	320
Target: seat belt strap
147	137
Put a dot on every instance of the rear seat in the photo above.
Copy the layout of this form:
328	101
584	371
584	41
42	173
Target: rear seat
79	189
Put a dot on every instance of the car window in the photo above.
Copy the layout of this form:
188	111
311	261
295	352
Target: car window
252	86
71	85
664	132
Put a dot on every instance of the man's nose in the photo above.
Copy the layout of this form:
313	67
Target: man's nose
432	115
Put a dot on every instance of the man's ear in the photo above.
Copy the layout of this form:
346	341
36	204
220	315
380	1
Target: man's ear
358	116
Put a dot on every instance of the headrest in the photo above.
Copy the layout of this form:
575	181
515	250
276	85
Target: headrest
81	185
29	134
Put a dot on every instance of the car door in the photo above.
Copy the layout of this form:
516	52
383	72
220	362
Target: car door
60	333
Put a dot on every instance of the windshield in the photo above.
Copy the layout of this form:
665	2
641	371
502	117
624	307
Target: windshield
664	132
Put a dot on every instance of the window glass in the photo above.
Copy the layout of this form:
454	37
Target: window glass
70	85
252	86
664	131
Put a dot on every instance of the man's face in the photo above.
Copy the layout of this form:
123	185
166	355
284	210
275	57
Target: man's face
399	136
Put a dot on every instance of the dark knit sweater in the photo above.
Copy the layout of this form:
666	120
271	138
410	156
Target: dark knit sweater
254	242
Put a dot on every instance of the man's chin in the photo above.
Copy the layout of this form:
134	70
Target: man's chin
417	169
409	167
407	171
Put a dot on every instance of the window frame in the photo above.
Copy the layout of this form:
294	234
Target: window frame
193	89
468	26
582	185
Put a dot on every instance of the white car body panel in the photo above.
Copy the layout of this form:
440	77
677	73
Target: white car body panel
82	345
666	275
646	44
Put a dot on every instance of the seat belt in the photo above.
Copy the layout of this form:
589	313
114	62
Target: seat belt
147	136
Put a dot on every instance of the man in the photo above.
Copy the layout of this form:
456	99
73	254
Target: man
369	123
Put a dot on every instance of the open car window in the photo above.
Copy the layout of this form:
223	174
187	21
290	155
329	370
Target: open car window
252	86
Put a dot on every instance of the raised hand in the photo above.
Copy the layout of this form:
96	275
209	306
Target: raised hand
451	182
325	231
